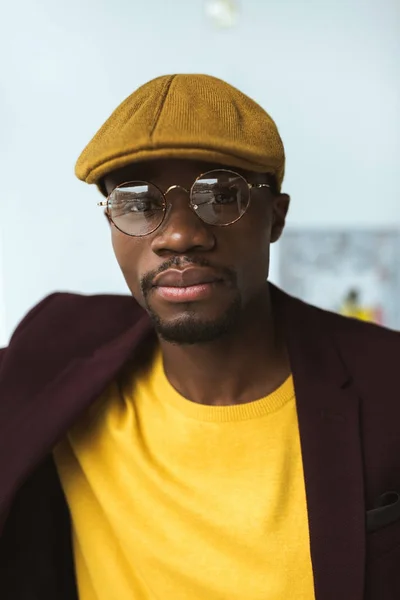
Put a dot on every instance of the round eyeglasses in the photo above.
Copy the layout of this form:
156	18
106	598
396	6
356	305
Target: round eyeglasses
219	197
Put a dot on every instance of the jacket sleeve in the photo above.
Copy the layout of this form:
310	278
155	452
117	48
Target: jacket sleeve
3	353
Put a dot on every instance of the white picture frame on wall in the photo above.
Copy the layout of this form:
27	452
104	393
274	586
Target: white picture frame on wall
328	267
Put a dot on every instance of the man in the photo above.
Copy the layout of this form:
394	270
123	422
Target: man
210	437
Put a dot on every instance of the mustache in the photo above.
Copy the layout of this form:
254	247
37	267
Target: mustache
180	262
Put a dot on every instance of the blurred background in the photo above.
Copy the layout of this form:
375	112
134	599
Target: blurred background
327	71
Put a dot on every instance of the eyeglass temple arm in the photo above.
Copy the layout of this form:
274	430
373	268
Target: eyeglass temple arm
102	203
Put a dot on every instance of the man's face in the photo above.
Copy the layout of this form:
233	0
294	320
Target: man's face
196	280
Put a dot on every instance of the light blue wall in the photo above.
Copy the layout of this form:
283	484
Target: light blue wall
327	71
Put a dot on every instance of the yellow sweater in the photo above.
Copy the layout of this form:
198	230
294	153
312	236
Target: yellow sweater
172	500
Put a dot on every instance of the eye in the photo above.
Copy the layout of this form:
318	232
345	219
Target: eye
131	204
139	205
225	196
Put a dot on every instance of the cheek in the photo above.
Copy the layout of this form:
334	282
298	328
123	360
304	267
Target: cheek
260	233
252	251
127	253
254	237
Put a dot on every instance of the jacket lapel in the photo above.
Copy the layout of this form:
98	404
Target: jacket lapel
33	425
329	415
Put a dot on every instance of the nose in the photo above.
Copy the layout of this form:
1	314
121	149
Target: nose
182	231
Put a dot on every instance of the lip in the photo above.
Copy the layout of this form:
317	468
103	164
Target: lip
191	293
185	278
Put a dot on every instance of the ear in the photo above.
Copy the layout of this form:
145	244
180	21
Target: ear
279	212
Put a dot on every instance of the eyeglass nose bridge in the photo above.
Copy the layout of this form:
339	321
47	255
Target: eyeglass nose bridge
193	207
176	187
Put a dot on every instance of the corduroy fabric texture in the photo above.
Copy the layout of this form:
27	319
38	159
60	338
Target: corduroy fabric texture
196	117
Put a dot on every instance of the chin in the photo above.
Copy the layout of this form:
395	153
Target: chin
194	326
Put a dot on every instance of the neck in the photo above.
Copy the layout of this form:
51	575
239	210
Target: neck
243	366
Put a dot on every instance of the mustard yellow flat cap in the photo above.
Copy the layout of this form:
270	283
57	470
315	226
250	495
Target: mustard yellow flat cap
196	117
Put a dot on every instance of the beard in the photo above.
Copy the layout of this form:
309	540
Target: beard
190	328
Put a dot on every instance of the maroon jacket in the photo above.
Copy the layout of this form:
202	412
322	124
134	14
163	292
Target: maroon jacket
69	347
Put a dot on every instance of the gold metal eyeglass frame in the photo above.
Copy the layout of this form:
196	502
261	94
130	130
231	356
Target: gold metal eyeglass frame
194	207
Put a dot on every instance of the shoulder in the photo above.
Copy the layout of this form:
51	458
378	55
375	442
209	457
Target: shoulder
370	352
63	305
340	326
76	319
359	333
344	329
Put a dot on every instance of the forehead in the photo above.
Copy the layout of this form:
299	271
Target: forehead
170	172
